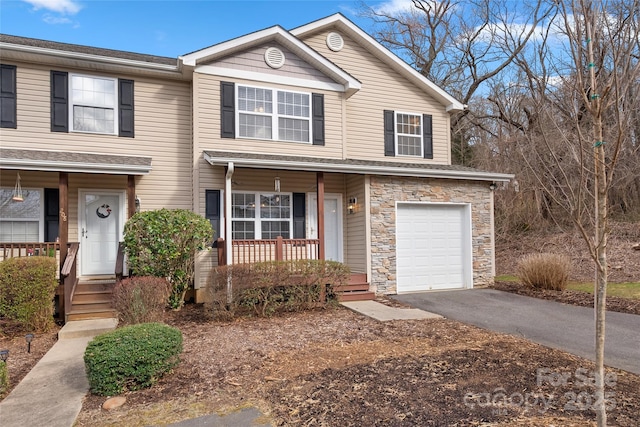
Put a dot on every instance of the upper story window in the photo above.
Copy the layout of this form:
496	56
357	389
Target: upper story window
408	134
8	96
93	104
273	114
288	120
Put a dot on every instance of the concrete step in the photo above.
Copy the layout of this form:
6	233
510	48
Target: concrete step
86	328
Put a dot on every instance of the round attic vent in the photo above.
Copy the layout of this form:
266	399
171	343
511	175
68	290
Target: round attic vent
335	42
274	57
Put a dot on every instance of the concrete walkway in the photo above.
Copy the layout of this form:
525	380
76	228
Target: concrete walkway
565	327
51	393
385	313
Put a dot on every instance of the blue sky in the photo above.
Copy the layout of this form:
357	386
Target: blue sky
166	28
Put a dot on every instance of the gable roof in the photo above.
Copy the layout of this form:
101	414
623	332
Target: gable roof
278	35
382	53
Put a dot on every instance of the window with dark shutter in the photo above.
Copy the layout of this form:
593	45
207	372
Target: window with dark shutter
389	133
227	110
125	108
318	118
212	212
427	136
59	101
299	214
8	94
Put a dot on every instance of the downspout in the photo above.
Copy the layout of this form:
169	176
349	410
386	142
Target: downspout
227	228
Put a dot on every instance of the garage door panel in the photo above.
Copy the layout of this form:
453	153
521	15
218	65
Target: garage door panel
431	243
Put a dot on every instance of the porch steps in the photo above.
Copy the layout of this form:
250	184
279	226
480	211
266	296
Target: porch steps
356	290
92	300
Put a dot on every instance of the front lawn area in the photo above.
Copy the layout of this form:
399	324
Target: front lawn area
338	368
623	290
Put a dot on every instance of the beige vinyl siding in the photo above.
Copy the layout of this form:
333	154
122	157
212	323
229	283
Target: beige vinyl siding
207	115
382	89
355	246
253	60
162	132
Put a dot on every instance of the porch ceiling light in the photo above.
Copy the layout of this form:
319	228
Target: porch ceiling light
17	191
4	354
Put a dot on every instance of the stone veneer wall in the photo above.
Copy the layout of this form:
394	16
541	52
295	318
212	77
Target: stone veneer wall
385	191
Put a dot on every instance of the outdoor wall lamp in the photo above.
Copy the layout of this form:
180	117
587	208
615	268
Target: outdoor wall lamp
351	206
29	338
137	204
4	354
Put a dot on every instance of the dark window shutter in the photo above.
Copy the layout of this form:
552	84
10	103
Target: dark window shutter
125	108
51	212
299	215
427	136
389	133
8	96
227	110
59	101
212	210
317	118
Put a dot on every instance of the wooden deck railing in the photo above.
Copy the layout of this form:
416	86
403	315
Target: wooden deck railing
68	275
24	249
279	249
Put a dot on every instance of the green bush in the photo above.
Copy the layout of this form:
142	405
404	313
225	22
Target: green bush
141	299
545	271
164	243
131	358
270	287
27	289
4	379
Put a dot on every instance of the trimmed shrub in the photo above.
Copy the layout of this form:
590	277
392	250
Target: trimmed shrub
141	299
164	243
4	379
27	289
545	271
131	358
267	288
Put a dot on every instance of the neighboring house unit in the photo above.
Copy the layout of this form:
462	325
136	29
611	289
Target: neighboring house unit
315	143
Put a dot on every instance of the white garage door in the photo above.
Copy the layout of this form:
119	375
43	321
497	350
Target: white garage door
433	246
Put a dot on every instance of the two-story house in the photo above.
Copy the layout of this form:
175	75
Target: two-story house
316	142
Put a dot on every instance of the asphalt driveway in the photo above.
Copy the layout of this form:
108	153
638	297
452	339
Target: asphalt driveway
561	326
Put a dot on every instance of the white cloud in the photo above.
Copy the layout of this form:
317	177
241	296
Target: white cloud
68	7
394	7
50	19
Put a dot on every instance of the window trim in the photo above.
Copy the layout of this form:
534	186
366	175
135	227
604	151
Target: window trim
275	116
115	107
396	134
257	219
40	216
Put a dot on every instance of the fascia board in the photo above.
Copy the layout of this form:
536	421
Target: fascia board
88	57
451	104
36	165
282	36
361	169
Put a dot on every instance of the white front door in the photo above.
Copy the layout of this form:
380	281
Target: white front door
100	229
332	224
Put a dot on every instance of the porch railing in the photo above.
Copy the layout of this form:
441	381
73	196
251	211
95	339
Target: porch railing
279	249
68	274
24	249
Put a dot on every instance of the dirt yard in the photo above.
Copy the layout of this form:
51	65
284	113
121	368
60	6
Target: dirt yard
339	368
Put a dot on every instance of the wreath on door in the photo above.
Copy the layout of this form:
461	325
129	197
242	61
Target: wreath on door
103	211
